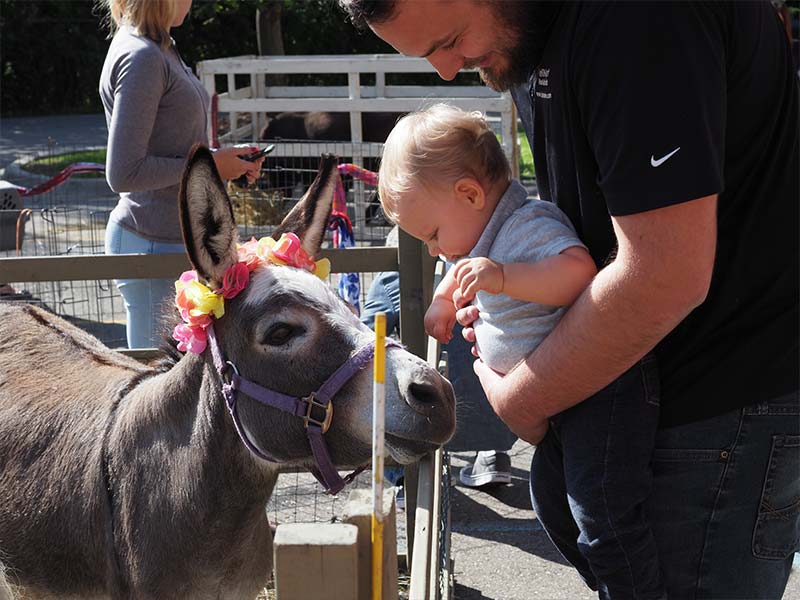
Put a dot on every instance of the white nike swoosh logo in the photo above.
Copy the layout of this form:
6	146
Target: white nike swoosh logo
663	159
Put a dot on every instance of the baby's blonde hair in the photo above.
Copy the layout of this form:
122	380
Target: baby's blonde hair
152	18
441	143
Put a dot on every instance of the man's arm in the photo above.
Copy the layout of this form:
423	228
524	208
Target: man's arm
661	273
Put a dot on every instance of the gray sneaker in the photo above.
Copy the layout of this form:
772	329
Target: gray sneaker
490	466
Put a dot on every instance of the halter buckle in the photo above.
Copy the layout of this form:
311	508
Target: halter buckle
228	371
312	402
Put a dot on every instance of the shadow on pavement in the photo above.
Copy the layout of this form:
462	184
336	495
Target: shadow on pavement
484	515
462	592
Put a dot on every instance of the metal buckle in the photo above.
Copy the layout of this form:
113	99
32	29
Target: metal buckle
312	402
225	376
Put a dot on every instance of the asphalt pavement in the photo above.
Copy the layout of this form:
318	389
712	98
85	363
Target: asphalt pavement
499	549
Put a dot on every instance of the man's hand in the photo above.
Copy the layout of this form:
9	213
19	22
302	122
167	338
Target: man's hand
466	316
440	318
477	274
522	421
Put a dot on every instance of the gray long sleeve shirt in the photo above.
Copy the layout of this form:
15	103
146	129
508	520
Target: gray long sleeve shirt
155	110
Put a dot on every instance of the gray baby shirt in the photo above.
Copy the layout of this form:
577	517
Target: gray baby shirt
520	230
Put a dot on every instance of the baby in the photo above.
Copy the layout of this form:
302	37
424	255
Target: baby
445	180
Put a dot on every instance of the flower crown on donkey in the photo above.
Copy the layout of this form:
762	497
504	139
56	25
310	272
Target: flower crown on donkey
197	302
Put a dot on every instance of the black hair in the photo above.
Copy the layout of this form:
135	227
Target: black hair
362	13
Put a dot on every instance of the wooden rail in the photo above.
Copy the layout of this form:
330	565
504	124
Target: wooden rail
143	266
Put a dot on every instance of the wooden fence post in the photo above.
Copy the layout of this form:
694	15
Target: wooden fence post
358	512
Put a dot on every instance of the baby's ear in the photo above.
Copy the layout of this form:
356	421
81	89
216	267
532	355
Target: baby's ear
469	191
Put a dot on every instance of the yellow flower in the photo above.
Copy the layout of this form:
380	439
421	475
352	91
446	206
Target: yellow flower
204	301
323	268
264	247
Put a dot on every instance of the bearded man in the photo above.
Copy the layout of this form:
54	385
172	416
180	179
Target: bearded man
668	133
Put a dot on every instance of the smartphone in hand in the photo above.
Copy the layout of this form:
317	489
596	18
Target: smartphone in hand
241	181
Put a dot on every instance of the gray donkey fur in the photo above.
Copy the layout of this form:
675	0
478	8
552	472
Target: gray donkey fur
119	480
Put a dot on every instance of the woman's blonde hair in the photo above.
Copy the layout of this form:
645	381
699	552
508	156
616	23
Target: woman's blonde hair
440	144
152	18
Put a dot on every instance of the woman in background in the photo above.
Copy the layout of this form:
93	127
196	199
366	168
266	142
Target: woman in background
156	110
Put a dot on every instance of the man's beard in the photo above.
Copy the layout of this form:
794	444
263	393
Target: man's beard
523	28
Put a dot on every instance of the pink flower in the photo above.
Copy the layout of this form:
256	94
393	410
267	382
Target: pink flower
235	280
187	276
289	250
192	339
248	254
197	320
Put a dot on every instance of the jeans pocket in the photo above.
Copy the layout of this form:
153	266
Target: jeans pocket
777	531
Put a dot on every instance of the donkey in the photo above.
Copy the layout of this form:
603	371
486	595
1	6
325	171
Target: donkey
120	480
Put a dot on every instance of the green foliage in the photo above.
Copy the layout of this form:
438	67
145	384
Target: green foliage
320	27
52	52
52	165
526	168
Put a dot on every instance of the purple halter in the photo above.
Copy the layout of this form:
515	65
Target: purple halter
316	409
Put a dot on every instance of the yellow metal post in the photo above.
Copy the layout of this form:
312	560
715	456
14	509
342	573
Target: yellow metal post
378	416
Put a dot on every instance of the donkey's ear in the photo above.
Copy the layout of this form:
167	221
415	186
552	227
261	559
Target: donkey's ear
209	231
309	218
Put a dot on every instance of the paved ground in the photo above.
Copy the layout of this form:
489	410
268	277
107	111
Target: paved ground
499	549
27	135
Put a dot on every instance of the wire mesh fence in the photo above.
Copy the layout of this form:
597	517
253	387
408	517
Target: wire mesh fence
71	220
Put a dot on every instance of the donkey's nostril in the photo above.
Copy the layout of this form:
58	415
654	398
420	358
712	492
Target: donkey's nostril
423	397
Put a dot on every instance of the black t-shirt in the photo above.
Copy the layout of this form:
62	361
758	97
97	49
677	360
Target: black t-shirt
640	106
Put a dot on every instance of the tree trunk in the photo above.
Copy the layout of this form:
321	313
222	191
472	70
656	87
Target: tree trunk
270	42
268	28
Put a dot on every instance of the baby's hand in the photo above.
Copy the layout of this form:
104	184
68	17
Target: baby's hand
477	274
440	318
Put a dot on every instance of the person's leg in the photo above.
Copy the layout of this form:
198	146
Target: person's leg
725	506
144	299
549	499
608	445
489	467
383	295
479	428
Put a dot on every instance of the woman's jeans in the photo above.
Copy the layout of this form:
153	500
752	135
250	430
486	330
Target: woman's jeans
590	479
725	503
146	300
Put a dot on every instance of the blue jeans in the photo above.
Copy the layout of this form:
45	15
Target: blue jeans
146	300
383	295
725	503
590	479
725	506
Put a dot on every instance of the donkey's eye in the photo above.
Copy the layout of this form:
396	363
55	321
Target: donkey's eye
280	333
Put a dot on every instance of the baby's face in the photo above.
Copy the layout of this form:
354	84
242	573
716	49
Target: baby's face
439	216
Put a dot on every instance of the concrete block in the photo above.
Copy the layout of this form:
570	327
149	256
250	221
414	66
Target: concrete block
316	560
